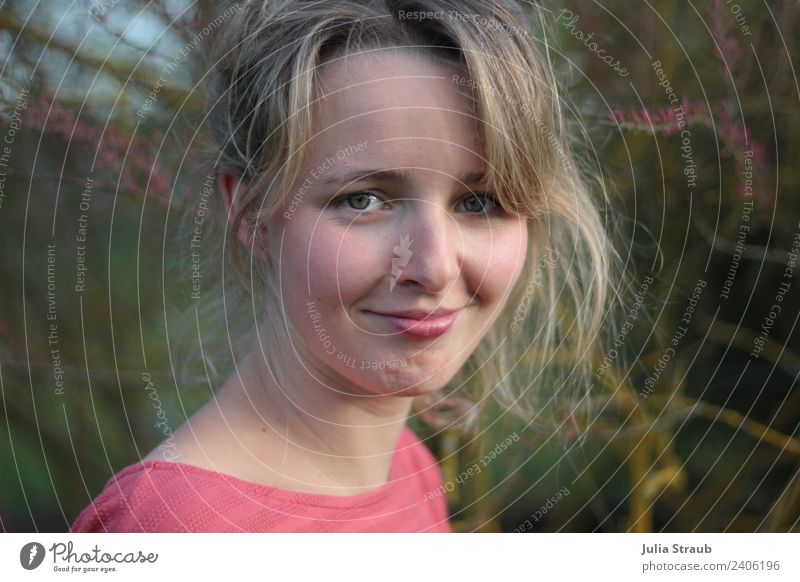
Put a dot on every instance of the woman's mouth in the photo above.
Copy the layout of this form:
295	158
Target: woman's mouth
421	327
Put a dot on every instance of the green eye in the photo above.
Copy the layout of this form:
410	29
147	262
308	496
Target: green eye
358	201
361	200
480	202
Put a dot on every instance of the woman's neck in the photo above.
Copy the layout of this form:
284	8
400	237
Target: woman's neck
312	433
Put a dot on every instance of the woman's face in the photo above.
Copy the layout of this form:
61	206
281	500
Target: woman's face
356	254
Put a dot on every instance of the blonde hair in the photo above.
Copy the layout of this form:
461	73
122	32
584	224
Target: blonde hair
264	68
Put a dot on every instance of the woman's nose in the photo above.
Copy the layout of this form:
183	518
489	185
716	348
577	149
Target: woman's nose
429	250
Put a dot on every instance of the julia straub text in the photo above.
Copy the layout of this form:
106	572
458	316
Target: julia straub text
674	549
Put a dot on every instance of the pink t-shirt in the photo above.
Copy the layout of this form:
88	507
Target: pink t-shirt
160	496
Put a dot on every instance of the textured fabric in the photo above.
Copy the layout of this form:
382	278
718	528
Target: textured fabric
160	496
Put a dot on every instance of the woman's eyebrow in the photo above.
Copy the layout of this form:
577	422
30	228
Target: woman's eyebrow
400	175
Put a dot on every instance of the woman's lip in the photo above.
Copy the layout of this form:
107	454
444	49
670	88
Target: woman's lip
427	328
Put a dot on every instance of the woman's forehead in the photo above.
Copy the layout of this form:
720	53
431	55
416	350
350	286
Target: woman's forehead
398	102
373	64
369	82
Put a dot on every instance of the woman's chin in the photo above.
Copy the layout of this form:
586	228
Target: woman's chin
410	385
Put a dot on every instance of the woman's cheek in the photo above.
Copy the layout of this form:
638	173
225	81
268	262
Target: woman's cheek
348	262
309	257
499	260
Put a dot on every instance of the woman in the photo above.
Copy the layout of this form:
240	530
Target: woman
396	170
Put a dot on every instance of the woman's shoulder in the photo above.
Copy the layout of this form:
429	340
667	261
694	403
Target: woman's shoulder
167	496
146	496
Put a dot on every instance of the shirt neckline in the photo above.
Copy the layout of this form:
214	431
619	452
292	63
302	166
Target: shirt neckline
317	499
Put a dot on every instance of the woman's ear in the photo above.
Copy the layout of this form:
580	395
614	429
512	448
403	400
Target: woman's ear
230	186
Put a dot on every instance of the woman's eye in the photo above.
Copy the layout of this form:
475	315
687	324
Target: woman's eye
480	202
359	201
